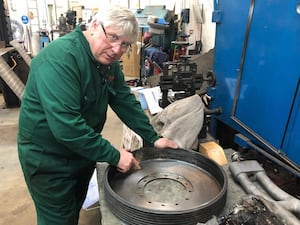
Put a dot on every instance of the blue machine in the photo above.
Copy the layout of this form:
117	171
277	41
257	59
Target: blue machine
257	69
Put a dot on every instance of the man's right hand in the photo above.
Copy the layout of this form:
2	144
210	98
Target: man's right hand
127	161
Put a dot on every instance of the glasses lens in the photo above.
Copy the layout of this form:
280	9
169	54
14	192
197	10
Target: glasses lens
115	42
113	39
125	46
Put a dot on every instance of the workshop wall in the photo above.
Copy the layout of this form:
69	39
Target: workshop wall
201	28
44	14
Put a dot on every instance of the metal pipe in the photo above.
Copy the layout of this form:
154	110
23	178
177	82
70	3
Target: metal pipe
271	188
286	163
249	187
287	217
284	214
287	201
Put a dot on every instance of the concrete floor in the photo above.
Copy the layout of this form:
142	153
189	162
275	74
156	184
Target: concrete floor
16	204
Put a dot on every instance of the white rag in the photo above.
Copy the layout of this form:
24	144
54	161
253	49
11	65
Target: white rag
181	121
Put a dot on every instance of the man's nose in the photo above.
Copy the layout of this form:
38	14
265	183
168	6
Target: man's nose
117	48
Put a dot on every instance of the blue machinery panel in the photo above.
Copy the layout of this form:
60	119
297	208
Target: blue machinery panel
257	68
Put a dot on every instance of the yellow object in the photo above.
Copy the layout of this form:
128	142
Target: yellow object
213	151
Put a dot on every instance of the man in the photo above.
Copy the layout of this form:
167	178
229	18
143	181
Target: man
62	23
70	85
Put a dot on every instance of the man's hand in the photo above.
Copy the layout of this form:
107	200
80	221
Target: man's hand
127	161
165	143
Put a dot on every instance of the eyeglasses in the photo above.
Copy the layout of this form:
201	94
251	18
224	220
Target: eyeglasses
113	39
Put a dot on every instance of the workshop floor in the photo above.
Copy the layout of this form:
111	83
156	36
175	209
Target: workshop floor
16	204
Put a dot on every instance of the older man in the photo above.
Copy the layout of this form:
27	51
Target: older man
71	83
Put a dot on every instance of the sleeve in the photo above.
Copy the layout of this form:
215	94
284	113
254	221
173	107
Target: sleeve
58	85
129	110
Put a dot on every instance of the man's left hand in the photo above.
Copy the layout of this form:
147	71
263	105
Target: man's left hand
165	143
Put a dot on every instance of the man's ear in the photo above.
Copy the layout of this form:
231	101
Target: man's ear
94	25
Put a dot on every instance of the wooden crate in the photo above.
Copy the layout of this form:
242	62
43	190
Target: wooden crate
131	63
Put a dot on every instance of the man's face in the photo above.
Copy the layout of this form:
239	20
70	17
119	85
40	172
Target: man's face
106	44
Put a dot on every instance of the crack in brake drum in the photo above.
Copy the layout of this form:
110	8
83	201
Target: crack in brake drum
173	187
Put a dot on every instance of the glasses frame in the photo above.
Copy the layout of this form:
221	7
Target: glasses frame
113	39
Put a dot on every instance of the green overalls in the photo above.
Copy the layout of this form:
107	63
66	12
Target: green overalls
63	110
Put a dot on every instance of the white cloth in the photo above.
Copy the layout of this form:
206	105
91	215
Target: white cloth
181	121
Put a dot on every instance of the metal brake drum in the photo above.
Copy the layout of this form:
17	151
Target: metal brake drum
174	187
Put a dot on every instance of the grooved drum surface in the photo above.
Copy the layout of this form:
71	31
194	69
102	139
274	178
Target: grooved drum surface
173	187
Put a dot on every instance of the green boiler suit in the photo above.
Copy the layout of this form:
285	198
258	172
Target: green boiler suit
62	114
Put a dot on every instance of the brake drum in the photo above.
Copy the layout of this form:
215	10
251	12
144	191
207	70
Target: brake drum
173	187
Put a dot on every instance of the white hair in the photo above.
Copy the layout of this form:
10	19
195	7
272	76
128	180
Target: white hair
121	18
